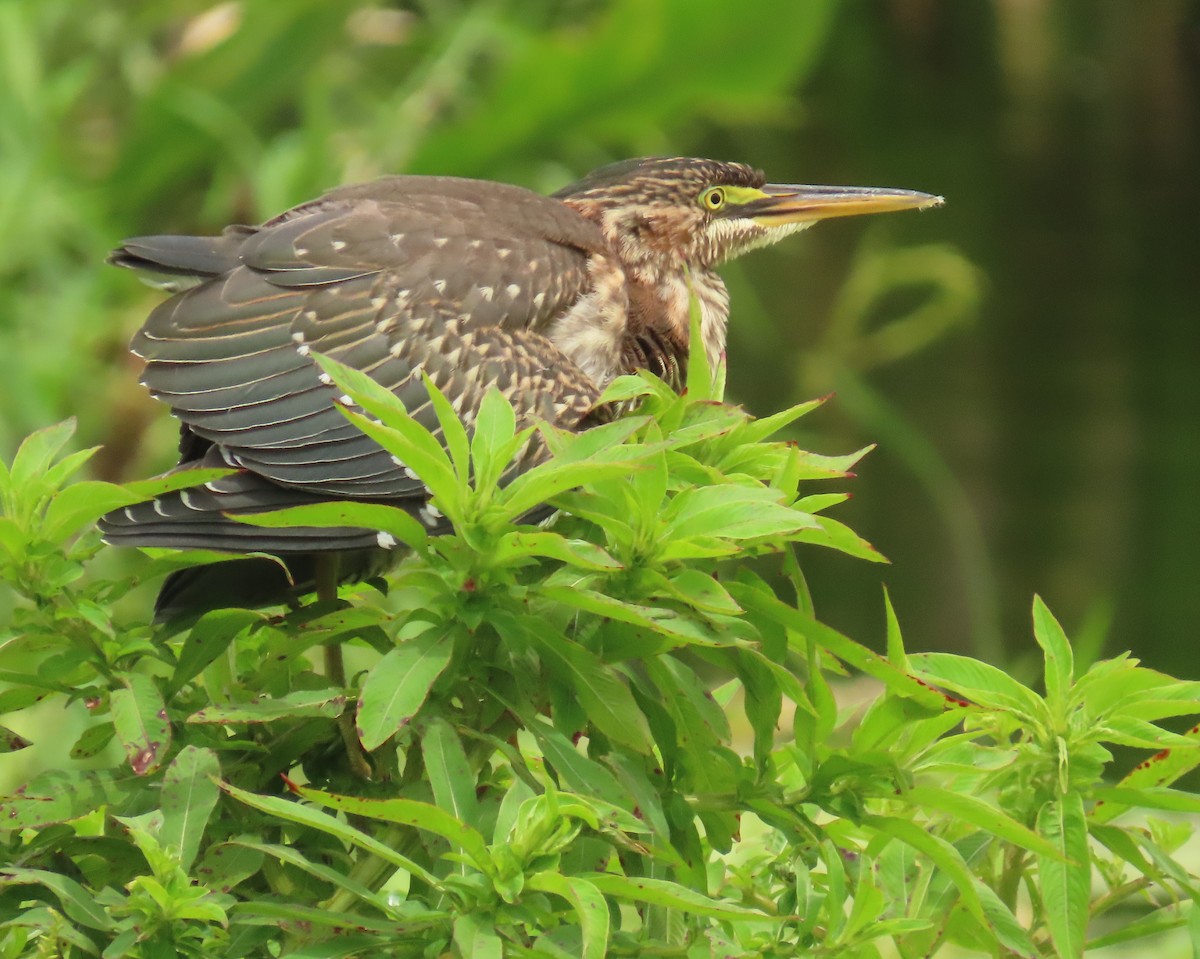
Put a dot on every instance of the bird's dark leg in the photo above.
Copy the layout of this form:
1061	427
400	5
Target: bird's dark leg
326	575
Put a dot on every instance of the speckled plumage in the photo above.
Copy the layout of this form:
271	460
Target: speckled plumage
475	284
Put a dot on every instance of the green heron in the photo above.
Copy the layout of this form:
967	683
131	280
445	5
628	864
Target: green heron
476	284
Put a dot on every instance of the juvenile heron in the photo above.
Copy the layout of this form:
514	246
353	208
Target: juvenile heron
476	284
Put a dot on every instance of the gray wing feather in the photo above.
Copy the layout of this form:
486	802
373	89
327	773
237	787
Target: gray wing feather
405	276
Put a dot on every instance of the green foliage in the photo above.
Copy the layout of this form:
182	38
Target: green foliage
604	736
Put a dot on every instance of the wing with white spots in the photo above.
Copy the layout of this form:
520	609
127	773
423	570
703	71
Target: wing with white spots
403	276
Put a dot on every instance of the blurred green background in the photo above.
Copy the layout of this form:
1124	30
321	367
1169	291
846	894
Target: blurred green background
1027	358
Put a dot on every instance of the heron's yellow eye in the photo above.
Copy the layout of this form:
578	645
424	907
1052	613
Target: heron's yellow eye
713	198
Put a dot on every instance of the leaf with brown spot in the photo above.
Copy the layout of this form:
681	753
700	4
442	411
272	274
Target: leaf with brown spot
141	722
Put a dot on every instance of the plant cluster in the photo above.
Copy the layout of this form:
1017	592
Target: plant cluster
614	733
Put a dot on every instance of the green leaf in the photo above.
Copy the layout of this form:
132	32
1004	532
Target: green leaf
66	467
335	877
1164	767
209	638
1065	879
644	489
1152	797
399	683
189	795
398	433
760	429
80	504
835	643
1060	663
517	545
371	395
678	628
571	446
576	771
659	892
494	440
634	386
393	524
700	379
978	813
1008	930
941	853
328	703
21	697
77	902
83	503
409	812
56	796
699	719
702	591
140	718
449	771
305	815
831	534
93	740
1152	926
13	538
226	864
476	937
276	913
980	682
454	434
37	451
588	903
603	694
895	641
1126	731
731	512
549	479
817	502
11	741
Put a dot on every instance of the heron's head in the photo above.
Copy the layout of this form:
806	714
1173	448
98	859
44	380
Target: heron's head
668	212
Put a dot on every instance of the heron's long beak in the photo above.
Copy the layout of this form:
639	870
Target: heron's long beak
800	203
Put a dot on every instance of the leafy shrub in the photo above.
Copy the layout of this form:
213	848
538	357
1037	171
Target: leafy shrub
612	735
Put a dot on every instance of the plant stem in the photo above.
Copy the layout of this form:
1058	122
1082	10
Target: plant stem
1010	878
326	575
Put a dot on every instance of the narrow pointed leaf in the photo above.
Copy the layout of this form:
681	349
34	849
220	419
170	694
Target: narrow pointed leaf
410	812
659	892
449	772
602	692
305	815
1065	880
397	524
77	902
1056	648
978	813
